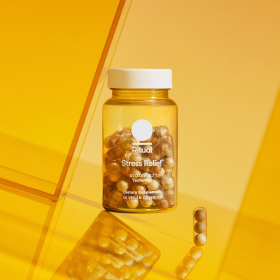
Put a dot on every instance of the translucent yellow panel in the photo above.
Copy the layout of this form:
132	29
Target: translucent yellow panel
254	246
53	55
26	224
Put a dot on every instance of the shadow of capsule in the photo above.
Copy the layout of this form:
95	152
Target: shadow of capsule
109	249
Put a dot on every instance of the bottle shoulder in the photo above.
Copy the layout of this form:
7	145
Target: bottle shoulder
140	102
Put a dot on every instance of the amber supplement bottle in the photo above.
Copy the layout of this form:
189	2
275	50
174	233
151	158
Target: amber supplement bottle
140	142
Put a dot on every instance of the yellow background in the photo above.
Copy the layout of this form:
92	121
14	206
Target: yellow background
225	60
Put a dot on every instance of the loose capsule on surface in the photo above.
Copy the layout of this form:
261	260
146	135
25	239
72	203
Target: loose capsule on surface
188	263
200	226
196	252
200	239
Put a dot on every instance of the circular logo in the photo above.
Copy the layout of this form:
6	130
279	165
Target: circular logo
142	130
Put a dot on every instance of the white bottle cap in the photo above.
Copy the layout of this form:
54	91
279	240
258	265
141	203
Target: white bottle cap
140	78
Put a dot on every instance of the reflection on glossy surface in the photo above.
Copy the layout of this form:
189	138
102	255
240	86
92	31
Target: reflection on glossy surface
109	250
27	223
188	263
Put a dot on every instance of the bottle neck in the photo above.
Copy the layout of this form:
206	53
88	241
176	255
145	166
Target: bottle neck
140	93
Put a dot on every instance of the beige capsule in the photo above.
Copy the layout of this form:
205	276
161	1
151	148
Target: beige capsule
96	273
116	152
125	170
200	227
128	260
84	249
111	141
196	252
138	269
170	154
146	201
106	259
106	231
135	157
162	172
160	131
160	150
126	272
169	163
139	189
115	175
158	194
168	171
104	242
113	203
107	190
200	215
181	272
146	164
154	141
117	262
132	244
163	204
121	235
132	203
146	178
120	250
200	239
168	138
107	181
70	270
144	250
153	185
150	260
117	195
126	156
122	185
122	131
156	169
170	192
128	143
107	161
167	182
113	166
135	173
189	262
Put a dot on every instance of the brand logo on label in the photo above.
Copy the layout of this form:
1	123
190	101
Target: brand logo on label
142	130
142	150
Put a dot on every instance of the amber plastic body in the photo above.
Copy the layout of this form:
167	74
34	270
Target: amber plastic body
145	180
